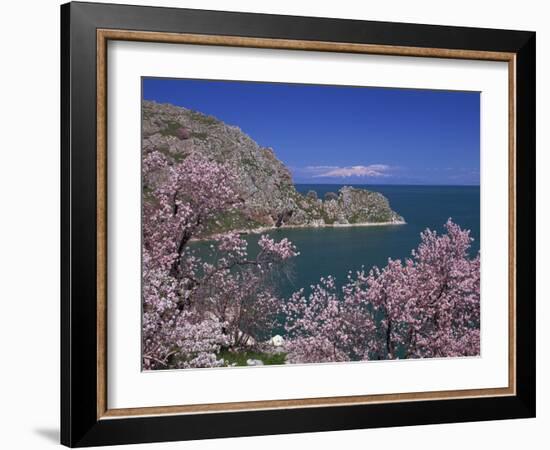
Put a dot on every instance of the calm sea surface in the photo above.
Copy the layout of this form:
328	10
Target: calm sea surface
335	251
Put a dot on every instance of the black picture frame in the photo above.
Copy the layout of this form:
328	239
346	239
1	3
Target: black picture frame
80	425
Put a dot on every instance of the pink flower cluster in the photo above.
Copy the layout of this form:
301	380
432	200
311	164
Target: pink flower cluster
284	249
195	304
427	306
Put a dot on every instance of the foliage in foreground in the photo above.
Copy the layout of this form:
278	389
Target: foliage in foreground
195	306
210	310
240	358
424	307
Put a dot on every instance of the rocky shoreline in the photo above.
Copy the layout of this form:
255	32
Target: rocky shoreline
324	225
266	229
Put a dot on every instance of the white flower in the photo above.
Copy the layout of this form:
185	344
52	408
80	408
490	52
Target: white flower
277	341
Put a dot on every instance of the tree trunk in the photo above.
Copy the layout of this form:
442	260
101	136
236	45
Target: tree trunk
389	346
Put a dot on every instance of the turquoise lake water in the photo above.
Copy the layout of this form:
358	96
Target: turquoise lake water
335	251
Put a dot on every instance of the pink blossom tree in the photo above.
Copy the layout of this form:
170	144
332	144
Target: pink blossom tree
195	304
427	306
238	290
324	327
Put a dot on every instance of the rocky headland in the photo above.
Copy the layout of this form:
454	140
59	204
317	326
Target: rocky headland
265	184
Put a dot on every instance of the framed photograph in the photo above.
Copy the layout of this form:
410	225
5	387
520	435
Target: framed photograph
276	224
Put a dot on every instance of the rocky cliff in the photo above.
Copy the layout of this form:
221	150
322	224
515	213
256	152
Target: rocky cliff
265	184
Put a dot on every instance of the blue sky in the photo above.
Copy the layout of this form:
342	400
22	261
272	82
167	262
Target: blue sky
334	134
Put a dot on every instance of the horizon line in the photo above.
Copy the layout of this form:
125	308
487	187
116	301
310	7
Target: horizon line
389	184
